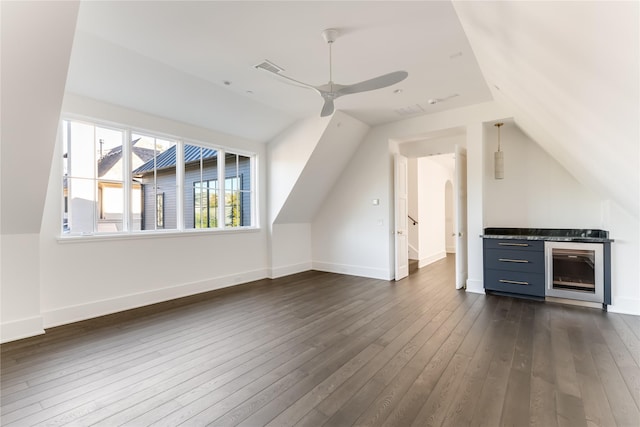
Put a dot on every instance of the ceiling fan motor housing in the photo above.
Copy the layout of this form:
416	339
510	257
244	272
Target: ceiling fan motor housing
330	35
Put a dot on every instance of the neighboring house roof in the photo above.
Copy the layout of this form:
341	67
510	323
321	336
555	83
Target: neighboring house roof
167	159
114	155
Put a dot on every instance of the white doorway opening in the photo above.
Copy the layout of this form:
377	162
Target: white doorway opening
436	205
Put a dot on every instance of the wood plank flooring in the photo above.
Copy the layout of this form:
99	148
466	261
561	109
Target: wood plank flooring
321	349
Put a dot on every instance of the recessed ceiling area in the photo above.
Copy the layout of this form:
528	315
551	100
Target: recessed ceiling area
194	61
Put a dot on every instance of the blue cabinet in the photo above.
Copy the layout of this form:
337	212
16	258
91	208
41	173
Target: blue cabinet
514	266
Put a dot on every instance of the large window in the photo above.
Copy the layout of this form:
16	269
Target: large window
93	186
120	181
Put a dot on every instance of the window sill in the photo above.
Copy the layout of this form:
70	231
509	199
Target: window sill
156	234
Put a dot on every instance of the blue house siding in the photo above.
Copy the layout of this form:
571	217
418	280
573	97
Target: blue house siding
166	183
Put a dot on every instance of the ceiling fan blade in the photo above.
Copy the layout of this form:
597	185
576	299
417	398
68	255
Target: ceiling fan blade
375	83
276	72
295	82
327	108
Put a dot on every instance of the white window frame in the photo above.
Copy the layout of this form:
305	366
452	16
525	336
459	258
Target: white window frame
180	230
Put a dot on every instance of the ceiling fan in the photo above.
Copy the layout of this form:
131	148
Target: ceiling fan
331	90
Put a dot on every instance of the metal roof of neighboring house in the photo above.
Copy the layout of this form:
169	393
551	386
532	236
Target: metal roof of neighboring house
167	159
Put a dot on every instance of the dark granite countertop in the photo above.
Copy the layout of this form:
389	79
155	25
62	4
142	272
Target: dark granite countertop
550	234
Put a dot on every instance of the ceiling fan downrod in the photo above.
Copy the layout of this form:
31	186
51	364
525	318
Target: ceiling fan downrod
330	35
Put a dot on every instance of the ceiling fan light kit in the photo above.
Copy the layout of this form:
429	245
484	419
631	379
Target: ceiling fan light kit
331	91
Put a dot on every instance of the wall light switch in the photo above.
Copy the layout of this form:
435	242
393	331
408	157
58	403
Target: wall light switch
376	202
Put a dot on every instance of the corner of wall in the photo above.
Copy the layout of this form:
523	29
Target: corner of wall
475	286
21	328
625	306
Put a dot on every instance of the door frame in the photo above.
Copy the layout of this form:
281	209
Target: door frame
462	265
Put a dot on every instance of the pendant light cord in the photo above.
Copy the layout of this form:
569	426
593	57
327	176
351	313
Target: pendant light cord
498	125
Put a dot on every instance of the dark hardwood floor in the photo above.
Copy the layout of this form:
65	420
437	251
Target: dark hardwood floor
318	349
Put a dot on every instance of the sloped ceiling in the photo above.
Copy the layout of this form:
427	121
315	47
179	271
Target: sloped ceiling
172	59
569	71
36	46
331	154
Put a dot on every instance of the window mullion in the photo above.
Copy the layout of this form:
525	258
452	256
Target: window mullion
221	188
96	202
180	185
253	167
127	218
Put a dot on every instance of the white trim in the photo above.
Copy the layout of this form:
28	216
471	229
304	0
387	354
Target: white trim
221	165
103	307
153	234
431	259
289	269
179	187
625	306
353	270
23	328
475	286
413	252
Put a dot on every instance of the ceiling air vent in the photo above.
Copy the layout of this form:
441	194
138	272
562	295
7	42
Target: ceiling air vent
410	110
268	66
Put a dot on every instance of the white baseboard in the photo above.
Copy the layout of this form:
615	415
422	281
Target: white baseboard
625	306
413	253
353	270
475	286
23	328
290	269
451	250
76	313
431	259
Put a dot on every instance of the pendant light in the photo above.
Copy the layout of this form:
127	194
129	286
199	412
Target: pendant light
498	158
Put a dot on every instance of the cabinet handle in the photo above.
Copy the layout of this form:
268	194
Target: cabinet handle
513	282
522	261
513	244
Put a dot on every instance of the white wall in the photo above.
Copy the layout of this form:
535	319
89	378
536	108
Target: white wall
625	258
449	218
92	276
304	164
290	249
412	205
536	190
36	45
352	236
349	234
287	155
432	178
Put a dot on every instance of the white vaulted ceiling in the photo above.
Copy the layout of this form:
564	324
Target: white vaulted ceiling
172	59
568	71
570	74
